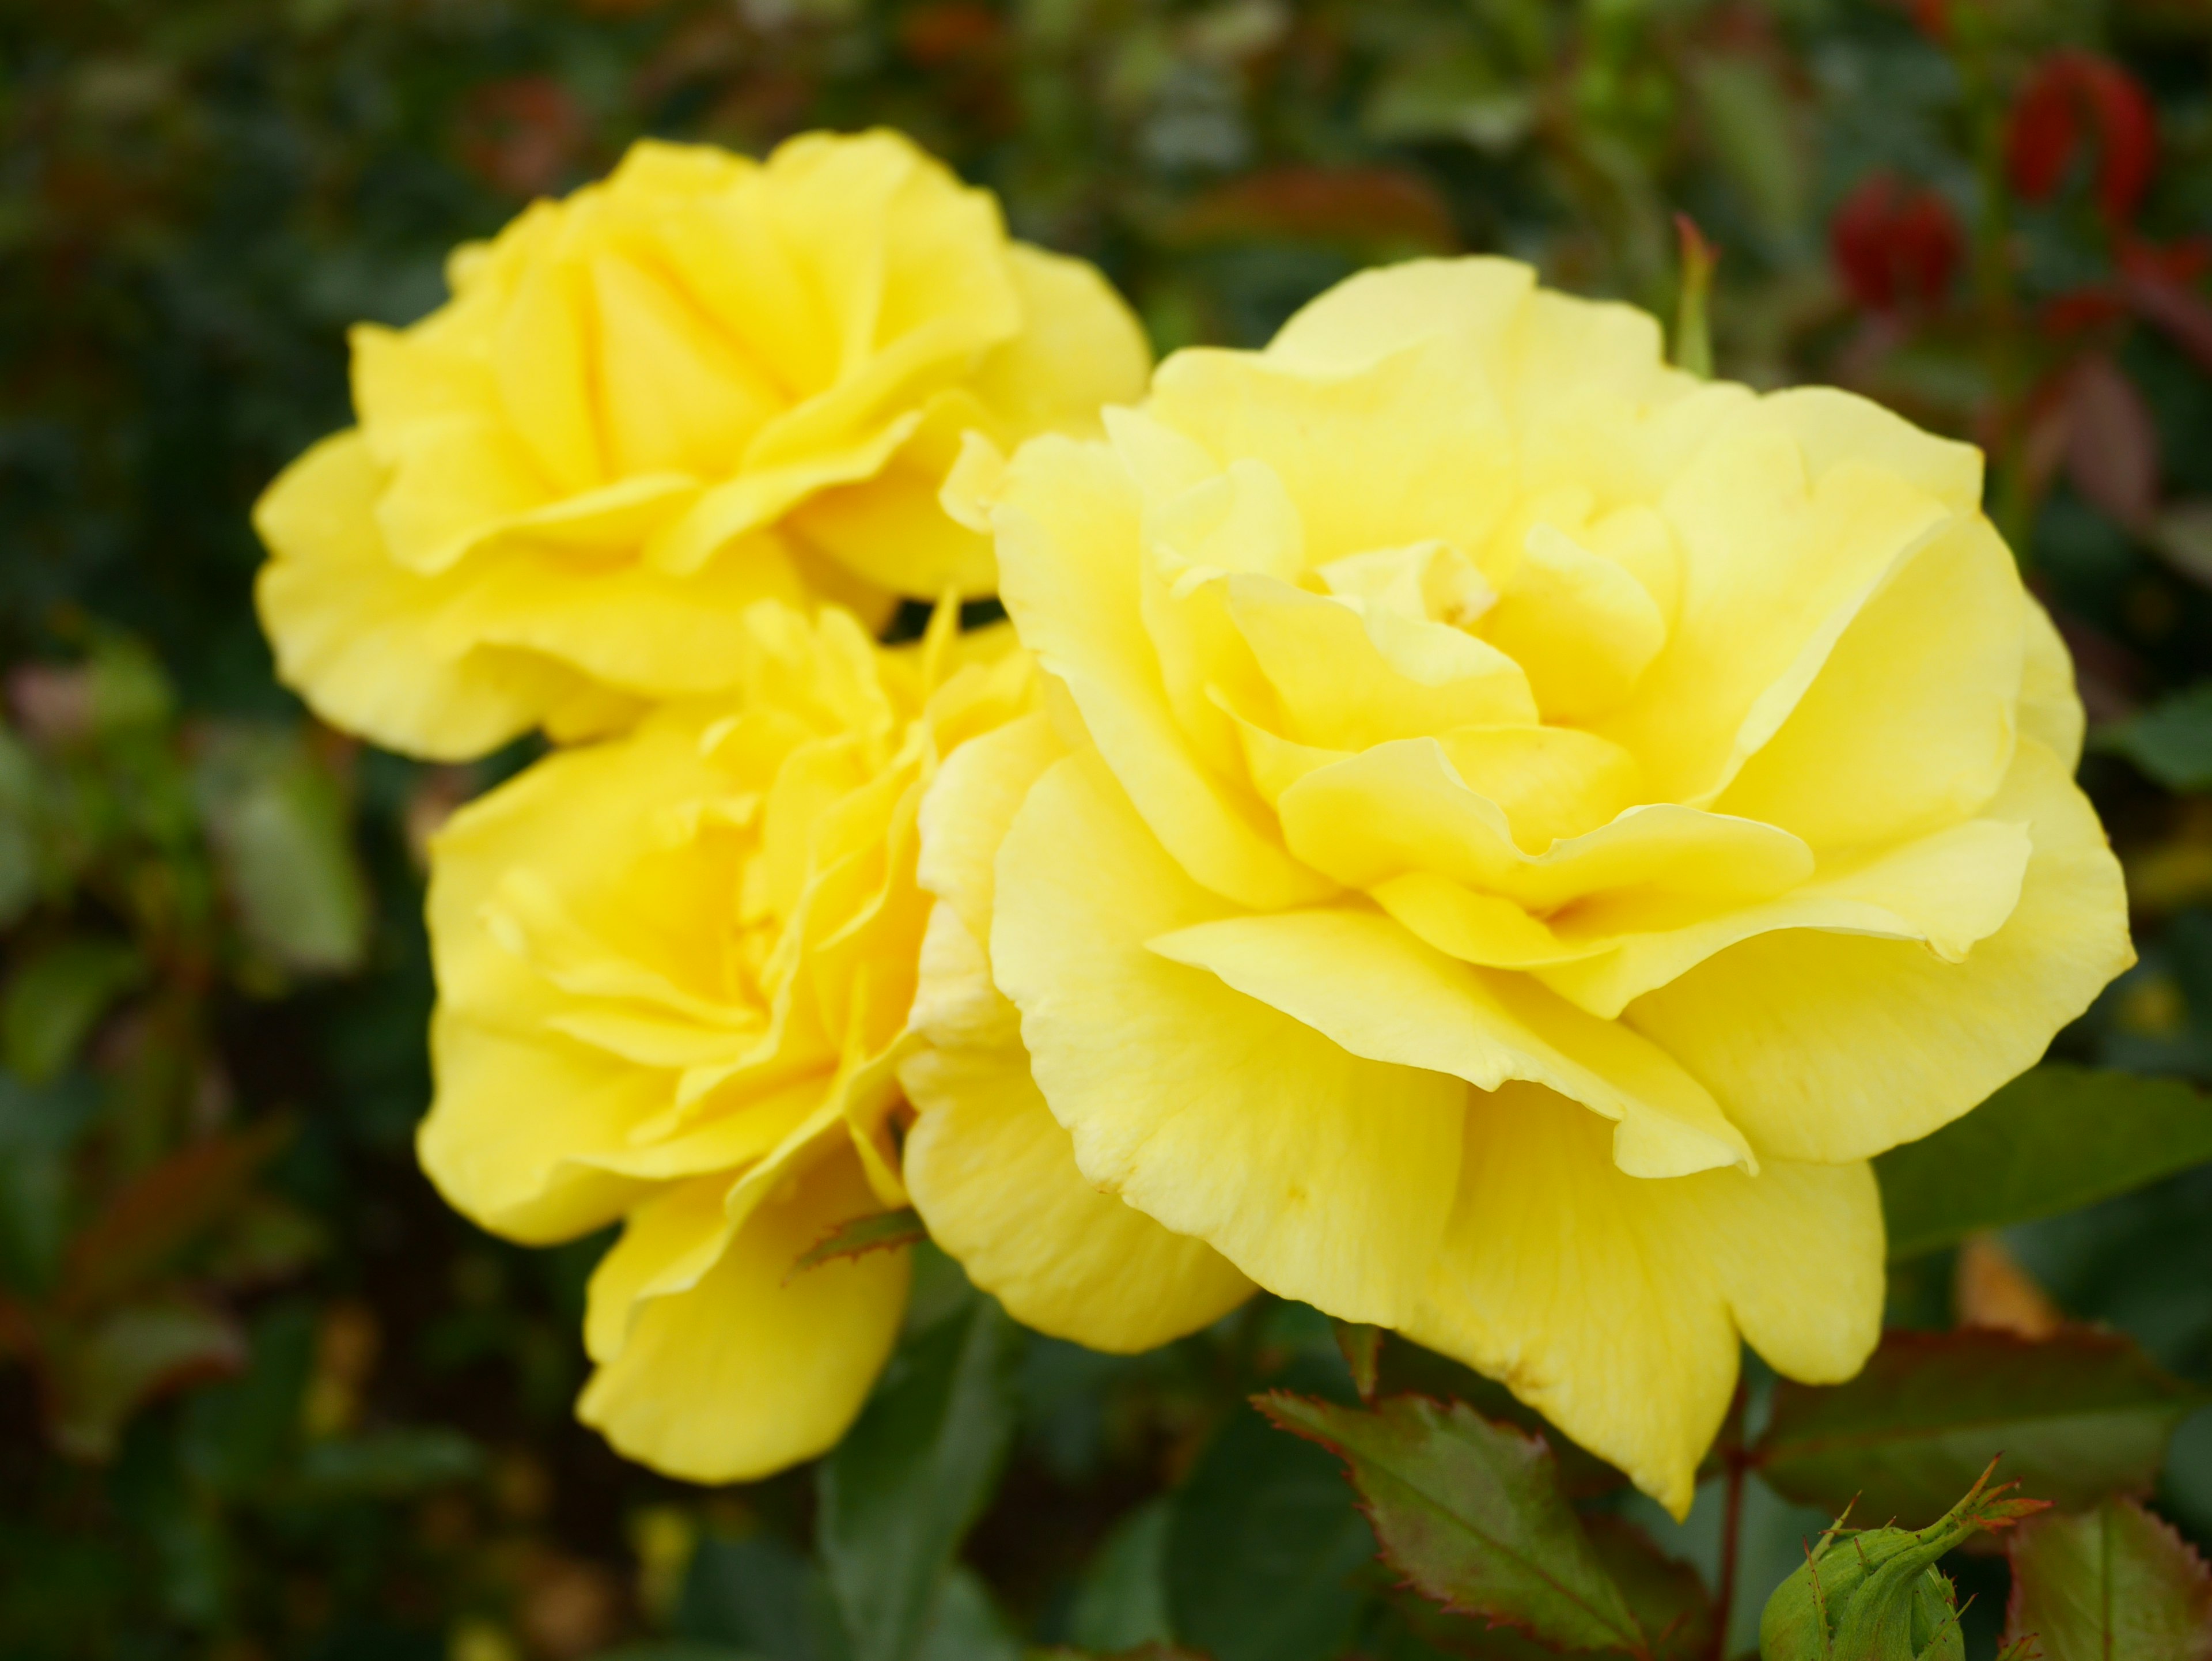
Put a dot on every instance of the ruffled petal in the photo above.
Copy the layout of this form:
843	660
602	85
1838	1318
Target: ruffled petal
359	637
1831	1047
1322	1176
1368	984
749	1369
1068	527
1612	1305
995	1177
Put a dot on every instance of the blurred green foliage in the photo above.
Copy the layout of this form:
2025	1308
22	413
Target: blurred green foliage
262	1396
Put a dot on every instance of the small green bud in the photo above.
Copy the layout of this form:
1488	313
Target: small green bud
1875	1594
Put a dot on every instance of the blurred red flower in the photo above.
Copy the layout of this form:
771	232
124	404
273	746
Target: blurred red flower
2045	131
1897	246
522	135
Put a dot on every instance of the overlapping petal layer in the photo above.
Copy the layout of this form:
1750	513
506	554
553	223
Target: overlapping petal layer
703	381
1524	826
674	971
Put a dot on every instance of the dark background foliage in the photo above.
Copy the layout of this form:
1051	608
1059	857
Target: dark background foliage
261	1396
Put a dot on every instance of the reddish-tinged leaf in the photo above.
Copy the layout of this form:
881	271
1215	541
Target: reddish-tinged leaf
1367	209
1472	1514
1404	1368
2112	1583
2182	313
1667	1596
521	136
162	1213
2045	128
2112	442
2076	1417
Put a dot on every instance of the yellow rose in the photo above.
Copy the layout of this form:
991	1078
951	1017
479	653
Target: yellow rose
674	971
705	380
1534	823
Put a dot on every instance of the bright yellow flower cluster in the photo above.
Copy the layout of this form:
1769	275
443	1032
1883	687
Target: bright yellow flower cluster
1523	828
704	381
673	973
1468	827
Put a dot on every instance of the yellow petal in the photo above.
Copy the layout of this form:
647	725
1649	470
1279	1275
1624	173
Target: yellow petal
1322	1176
1068	539
1909	725
1366	984
745	1372
2049	708
1411	448
679	635
1832	1048
1378	313
357	636
674	396
970	803
454	484
891	527
995	1177
1612	1305
1080	348
1951	890
1832	427
1402	807
402	377
1580	626
510	1113
541	360
1344	681
1777	560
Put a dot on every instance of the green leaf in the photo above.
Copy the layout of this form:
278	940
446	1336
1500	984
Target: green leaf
98	1380
966	1625
2076	1417
55	996
21	876
1472	1513
39	1128
1404	1367
2053	1139
884	1230
2109	1583
900	1491
1122	1599
1752	122
1265	1550
1363	1351
235	1435
748	1594
388	1463
2171	742
279	825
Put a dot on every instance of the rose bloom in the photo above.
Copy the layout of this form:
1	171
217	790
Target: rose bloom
705	380
674	971
1520	828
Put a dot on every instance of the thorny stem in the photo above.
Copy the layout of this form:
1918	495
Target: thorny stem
1736	1463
